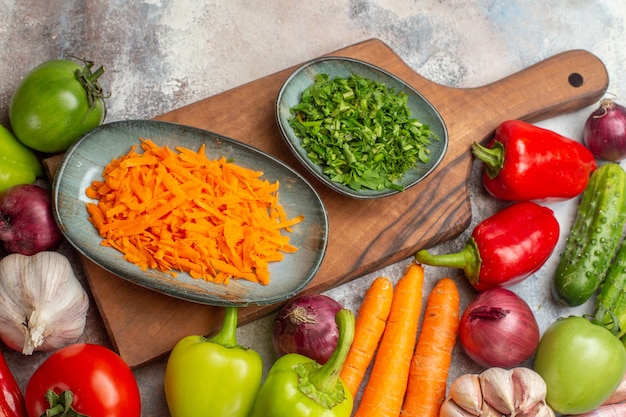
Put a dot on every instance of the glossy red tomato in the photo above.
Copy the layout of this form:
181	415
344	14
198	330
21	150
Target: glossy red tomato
101	382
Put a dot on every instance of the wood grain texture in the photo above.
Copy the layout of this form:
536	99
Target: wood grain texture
364	235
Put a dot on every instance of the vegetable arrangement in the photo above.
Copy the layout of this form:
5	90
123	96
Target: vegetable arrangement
360	132
213	376
505	248
499	329
605	131
385	389
56	103
83	380
579	359
156	208
297	386
594	236
582	364
525	162
43	306
370	325
27	225
428	375
497	392
400	367
306	325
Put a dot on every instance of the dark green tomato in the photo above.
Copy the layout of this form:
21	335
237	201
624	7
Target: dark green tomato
55	104
582	364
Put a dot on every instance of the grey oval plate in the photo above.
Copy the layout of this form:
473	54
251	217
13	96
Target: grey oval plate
290	95
85	160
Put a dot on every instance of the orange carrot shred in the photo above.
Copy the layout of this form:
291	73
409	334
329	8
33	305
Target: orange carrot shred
178	211
428	376
370	324
385	388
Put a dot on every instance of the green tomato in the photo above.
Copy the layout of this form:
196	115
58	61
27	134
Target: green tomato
582	364
55	104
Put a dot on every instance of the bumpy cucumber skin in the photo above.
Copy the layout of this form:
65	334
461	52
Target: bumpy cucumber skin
594	236
611	300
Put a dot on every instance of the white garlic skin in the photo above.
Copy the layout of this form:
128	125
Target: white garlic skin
497	392
43	306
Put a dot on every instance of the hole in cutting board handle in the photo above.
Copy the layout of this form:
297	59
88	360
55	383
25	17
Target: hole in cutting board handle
575	79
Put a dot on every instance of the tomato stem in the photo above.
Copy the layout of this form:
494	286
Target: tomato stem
89	81
61	404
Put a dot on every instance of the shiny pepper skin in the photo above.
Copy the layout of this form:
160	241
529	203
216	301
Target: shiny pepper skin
18	164
505	248
525	162
297	386
11	399
212	377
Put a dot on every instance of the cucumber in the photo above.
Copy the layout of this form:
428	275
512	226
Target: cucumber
610	308
594	236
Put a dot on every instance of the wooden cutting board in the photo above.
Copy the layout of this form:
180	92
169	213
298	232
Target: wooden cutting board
364	235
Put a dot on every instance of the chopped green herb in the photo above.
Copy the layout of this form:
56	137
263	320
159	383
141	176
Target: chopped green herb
360	132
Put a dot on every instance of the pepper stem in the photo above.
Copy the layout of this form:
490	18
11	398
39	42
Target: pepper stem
326	377
321	383
468	259
493	157
227	335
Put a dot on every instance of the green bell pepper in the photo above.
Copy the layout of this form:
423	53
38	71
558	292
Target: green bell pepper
212	377
297	386
18	164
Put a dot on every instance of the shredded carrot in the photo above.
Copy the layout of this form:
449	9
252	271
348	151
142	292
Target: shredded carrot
384	391
370	324
178	211
428	376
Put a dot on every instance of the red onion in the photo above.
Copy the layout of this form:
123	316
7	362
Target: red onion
499	329
306	325
605	131
27	225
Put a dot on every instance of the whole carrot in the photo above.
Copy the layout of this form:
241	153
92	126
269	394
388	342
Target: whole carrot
428	376
387	383
370	324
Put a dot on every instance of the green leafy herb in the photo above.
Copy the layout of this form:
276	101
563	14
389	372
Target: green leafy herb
360	132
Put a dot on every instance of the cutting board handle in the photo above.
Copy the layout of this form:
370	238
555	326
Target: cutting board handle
560	84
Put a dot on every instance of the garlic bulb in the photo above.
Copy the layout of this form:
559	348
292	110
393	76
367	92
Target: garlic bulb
497	392
43	306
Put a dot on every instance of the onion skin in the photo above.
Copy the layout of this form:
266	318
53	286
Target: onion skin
306	325
27	225
604	132
498	329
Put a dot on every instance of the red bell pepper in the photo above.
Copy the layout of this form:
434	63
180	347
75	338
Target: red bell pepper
505	248
11	398
526	162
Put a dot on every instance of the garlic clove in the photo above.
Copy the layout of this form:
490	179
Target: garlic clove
498	391
530	388
489	411
465	391
450	409
540	409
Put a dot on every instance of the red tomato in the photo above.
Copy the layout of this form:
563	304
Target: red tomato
101	382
